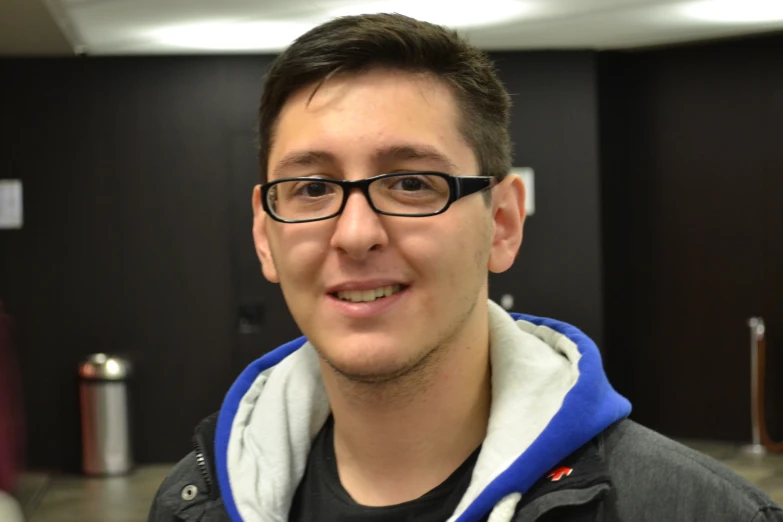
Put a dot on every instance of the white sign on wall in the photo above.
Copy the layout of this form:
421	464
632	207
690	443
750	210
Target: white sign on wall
528	176
10	203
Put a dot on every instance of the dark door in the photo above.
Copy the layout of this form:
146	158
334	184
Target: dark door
262	318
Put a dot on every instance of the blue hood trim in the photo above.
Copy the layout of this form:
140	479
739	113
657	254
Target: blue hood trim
590	407
229	410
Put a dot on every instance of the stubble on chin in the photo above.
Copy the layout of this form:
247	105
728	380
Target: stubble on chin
406	382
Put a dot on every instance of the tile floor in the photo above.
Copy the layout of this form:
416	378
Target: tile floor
70	498
46	498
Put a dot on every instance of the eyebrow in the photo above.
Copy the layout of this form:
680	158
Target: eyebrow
422	152
308	158
304	158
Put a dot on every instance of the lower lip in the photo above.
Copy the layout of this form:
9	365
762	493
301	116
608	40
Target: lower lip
369	309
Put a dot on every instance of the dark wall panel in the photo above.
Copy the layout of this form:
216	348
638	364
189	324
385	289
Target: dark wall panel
126	245
691	142
554	126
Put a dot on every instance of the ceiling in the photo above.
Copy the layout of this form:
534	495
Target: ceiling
141	27
27	28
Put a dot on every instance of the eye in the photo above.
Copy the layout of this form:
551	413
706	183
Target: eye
411	184
313	189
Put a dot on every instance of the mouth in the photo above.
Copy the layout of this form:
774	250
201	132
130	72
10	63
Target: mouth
368	296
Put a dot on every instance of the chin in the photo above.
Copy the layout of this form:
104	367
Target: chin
371	365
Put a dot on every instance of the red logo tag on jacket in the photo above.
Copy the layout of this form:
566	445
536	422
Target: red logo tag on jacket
559	473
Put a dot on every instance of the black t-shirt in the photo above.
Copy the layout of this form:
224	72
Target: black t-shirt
321	496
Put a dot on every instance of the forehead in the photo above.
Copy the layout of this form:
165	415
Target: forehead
353	116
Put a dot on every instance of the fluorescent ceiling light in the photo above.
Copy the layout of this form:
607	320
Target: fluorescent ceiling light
452	14
735	11
231	36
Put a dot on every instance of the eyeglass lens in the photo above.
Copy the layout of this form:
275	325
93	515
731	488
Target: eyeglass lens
406	194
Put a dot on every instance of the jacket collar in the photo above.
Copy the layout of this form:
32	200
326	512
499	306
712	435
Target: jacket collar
191	492
581	479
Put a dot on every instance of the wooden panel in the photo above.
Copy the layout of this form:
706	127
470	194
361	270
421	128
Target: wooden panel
126	246
692	186
554	127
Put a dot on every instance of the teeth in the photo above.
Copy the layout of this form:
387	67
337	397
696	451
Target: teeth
367	296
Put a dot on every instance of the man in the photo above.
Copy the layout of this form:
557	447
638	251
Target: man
386	200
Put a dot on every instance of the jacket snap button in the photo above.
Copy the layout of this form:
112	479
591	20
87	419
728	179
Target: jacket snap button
189	492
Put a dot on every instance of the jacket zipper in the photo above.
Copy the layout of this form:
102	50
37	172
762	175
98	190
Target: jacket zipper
202	464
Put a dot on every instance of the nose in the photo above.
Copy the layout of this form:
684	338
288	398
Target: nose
359	229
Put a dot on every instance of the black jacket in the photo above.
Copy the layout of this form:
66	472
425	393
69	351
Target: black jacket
627	473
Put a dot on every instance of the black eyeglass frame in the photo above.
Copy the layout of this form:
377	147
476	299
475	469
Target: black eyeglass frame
459	187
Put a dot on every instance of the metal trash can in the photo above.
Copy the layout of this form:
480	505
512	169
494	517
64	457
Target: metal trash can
103	392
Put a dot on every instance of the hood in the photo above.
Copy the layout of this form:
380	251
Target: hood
550	396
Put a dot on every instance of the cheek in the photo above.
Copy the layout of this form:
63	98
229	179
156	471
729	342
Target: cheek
446	254
471	250
298	258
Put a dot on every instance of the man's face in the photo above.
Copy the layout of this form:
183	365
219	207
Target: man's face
357	126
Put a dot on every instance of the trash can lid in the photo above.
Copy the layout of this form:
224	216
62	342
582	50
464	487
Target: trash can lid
104	367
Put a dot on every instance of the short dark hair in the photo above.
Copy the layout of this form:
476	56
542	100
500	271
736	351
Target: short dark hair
358	43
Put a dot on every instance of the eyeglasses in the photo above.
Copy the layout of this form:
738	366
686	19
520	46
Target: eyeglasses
410	194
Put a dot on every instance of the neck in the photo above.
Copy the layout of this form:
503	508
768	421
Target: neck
397	440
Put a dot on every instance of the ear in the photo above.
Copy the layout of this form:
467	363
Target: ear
261	238
508	216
